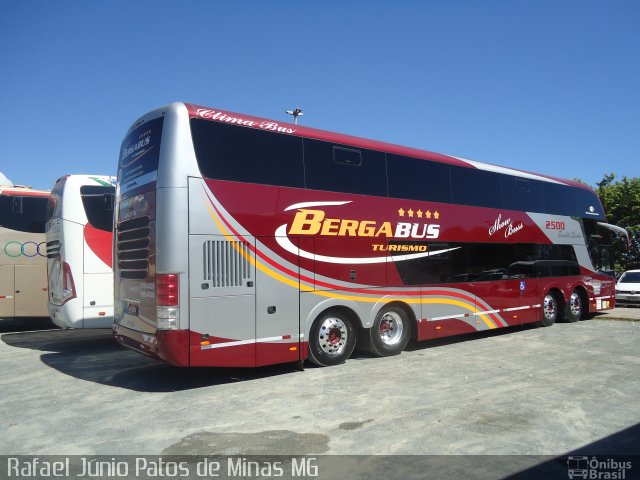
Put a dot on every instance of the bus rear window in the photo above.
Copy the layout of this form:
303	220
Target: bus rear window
98	205
24	214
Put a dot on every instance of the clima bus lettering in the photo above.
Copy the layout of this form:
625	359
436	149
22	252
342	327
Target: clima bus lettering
313	222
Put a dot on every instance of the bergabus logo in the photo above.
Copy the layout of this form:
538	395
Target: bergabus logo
311	220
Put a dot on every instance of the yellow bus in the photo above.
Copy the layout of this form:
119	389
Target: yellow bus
23	252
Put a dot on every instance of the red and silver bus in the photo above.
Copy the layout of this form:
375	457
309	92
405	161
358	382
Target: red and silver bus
80	251
242	241
23	263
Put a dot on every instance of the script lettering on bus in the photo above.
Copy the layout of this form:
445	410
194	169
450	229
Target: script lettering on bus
209	114
506	225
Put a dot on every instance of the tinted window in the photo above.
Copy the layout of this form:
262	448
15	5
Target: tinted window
476	187
25	214
98	205
481	262
571	201
242	154
334	168
522	194
347	156
418	179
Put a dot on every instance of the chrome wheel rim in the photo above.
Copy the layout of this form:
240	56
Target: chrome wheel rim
391	328
332	336
575	304
550	308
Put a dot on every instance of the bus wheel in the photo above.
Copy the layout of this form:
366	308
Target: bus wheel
549	310
332	338
574	308
390	332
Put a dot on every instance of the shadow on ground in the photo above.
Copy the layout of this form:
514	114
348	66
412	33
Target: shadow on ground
94	356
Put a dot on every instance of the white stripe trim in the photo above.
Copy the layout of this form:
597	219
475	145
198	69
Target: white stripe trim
509	171
513	309
248	342
314	204
450	316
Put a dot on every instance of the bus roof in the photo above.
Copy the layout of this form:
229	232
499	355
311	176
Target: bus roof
226	116
20	191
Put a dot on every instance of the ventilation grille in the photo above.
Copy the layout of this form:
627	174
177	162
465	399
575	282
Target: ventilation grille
53	249
226	264
133	248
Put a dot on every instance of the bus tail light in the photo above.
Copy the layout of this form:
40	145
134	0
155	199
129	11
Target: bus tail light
68	287
167	312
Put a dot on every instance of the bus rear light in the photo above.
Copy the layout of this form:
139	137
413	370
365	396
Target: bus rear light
68	286
167	318
167	289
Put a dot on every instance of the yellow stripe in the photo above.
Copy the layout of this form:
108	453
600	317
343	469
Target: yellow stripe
268	271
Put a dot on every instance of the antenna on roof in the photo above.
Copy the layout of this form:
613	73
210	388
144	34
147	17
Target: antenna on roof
296	113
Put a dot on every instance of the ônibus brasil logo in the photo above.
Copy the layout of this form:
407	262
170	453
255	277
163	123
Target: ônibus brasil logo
309	220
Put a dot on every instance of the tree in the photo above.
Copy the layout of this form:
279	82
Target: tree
621	201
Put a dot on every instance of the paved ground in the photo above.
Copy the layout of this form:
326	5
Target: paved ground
542	391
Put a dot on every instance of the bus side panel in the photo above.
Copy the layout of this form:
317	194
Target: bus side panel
31	291
7	291
222	303
98	300
277	318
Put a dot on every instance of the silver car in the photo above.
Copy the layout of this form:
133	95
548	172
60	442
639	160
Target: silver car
628	288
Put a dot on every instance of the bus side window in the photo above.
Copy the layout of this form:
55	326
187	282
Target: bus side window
522	194
418	179
243	154
16	205
478	188
330	167
347	156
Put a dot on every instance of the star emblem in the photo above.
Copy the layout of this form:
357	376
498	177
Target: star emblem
436	215
410	212
401	212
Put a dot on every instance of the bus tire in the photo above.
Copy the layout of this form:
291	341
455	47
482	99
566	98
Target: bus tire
332	338
574	307
550	309
390	332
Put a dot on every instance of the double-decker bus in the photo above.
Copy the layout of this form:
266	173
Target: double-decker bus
23	264
242	241
79	234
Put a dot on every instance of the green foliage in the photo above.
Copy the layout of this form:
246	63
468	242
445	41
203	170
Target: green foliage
621	201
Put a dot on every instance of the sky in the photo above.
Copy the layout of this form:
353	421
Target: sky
549	86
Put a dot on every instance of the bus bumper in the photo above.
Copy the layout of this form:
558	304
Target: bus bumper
170	346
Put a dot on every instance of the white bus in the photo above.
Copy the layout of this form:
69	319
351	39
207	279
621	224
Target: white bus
23	266
79	251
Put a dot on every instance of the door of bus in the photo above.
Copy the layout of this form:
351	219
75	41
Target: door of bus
277	311
31	291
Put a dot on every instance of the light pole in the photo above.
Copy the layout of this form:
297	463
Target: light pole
296	113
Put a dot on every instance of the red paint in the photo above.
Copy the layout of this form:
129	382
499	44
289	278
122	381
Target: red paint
100	243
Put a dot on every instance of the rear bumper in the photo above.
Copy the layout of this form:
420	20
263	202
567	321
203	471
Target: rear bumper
170	346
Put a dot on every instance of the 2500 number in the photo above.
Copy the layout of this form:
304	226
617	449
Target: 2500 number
553	225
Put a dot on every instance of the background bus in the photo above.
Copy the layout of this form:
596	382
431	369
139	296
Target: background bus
23	267
242	241
80	250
